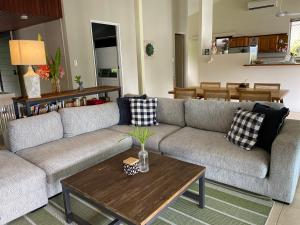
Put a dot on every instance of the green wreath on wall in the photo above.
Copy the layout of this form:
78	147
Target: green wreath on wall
149	49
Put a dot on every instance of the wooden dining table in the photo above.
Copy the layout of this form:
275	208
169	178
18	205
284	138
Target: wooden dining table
277	95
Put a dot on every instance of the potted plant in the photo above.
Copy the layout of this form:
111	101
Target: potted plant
78	81
142	134
292	59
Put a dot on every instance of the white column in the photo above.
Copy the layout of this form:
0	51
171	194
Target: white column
205	24
140	44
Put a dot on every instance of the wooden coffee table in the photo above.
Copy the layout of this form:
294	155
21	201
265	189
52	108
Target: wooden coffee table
134	200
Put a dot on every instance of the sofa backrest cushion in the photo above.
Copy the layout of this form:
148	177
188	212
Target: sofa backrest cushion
170	111
33	131
215	115
80	120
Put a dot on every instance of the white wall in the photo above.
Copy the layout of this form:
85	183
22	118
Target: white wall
180	15
158	27
206	24
192	75
52	34
77	18
232	17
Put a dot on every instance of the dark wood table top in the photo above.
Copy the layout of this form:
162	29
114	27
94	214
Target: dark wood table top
137	199
69	94
234	92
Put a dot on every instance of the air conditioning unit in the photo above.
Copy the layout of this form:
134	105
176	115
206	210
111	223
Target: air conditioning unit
261	4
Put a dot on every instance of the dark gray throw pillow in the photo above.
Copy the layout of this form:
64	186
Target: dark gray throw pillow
124	109
274	119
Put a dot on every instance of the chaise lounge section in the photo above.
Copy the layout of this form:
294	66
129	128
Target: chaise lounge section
22	187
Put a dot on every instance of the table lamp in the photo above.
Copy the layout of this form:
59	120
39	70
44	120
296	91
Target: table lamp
28	53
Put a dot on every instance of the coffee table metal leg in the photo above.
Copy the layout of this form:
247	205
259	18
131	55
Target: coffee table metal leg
202	192
115	222
67	204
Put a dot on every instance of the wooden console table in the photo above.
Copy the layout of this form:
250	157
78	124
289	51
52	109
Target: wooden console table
50	97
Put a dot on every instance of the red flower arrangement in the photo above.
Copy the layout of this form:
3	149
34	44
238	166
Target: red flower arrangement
53	69
44	72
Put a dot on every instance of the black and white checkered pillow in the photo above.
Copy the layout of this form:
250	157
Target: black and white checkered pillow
143	111
244	128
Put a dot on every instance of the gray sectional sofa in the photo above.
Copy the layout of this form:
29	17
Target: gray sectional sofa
44	149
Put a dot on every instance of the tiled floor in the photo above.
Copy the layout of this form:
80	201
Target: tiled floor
287	214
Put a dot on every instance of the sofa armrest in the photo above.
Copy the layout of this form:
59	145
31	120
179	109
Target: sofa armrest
285	161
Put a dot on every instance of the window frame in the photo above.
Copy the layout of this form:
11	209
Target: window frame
290	35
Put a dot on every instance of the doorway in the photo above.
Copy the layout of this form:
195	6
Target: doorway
180	60
9	79
107	55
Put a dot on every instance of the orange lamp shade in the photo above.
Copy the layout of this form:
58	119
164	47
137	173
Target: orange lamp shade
27	52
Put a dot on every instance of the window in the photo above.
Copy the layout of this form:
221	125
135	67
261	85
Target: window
295	37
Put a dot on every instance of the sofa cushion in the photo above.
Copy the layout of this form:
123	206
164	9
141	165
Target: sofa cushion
80	120
124	108
274	119
215	115
245	128
22	187
160	132
33	131
170	111
211	148
143	111
70	155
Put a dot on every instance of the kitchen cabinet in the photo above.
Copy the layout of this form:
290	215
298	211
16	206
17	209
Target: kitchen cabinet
268	43
238	42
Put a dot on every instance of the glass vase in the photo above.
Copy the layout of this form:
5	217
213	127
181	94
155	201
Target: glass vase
143	160
55	85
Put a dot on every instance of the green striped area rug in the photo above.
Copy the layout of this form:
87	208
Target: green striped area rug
224	206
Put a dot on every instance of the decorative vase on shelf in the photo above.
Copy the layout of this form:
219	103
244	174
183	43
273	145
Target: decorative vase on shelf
55	85
80	86
143	160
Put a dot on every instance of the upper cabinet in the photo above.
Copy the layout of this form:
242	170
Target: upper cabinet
238	42
266	43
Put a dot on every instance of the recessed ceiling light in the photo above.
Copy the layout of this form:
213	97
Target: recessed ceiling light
24	17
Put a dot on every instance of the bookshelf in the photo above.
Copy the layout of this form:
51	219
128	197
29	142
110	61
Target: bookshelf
54	101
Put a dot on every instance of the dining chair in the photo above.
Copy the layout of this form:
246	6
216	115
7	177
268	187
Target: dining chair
185	93
235	85
210	85
255	96
268	86
272	86
220	95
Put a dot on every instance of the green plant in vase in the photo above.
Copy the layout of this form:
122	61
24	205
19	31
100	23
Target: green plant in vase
142	134
78	81
53	71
